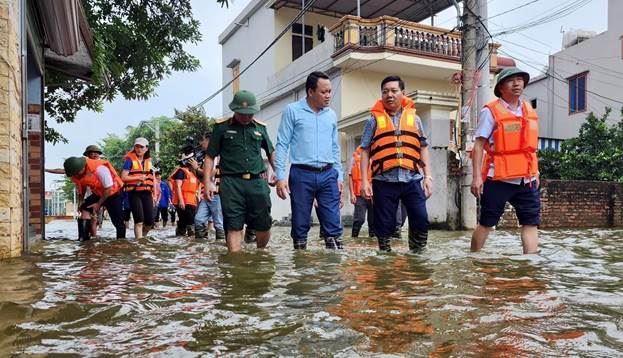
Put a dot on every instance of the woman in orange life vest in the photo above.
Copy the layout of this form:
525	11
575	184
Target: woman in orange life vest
101	178
362	205
185	187
138	176
508	132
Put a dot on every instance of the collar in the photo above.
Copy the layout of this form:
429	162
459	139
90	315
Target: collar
305	106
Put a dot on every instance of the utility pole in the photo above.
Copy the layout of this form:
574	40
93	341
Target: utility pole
482	55
469	112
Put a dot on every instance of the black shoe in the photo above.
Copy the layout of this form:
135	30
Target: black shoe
334	243
190	230
201	232
397	233
300	244
384	244
179	231
249	236
371	235
417	240
355	233
220	235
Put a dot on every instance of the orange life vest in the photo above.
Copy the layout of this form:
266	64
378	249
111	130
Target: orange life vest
190	186
395	147
138	169
355	172
515	142
91	180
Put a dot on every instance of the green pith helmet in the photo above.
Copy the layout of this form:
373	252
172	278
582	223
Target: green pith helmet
508	72
92	148
73	165
244	103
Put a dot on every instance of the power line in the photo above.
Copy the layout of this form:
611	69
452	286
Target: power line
283	32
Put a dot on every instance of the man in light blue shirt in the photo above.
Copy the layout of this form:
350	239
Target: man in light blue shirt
308	131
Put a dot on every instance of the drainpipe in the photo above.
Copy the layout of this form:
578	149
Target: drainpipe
23	51
458	13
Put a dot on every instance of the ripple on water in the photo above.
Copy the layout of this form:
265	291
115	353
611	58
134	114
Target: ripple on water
175	296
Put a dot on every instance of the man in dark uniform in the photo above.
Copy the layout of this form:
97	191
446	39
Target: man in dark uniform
245	195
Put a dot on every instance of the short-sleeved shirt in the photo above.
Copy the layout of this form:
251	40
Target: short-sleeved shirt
127	165
104	176
239	147
401	175
486	125
179	175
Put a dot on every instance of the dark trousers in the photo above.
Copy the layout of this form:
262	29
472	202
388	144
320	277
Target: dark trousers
305	186
386	199
185	216
164	212
363	206
114	205
142	205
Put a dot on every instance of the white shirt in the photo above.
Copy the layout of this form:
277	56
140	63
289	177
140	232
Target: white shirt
104	175
486	125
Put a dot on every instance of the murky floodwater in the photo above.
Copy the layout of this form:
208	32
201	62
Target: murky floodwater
171	296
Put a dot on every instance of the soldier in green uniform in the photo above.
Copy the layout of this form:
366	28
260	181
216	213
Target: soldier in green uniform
245	195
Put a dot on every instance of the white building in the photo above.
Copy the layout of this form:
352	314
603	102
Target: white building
357	52
585	76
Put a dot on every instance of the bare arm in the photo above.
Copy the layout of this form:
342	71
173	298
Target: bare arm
428	178
366	190
477	155
55	171
208	167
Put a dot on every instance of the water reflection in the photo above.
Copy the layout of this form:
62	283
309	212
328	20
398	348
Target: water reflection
169	296
383	303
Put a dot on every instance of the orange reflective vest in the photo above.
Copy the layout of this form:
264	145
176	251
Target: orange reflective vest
190	186
91	180
139	168
515	142
355	172
395	147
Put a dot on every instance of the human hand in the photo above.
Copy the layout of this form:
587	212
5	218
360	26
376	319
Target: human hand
282	189
477	186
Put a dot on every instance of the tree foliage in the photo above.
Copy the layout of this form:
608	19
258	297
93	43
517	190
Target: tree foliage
136	45
595	154
173	133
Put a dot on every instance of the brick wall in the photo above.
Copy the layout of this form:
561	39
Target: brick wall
11	231
568	204
35	177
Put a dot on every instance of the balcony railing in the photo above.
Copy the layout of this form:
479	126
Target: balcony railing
391	33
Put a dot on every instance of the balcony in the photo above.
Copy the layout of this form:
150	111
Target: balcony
391	39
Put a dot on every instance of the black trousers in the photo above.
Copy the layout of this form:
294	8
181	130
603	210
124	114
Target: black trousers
142	205
114	205
164	212
186	216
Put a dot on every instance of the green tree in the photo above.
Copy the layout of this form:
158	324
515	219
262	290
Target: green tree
136	45
595	154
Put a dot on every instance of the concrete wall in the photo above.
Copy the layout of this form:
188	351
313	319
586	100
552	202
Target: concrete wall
601	57
576	204
11	231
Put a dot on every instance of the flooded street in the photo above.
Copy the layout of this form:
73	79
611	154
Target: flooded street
169	296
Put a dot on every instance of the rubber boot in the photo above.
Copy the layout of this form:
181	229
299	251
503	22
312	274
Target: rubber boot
397	233
371	234
300	244
249	236
201	232
333	243
417	240
84	230
384	244
179	231
164	224
355	233
190	230
220	235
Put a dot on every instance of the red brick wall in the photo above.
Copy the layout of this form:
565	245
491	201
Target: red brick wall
35	178
568	203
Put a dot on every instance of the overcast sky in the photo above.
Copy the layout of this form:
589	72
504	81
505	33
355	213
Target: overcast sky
183	89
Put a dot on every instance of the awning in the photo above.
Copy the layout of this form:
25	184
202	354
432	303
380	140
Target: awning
412	10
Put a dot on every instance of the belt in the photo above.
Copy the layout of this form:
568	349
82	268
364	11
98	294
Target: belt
245	176
312	168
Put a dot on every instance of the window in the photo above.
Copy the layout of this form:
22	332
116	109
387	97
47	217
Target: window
577	93
533	103
297	40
